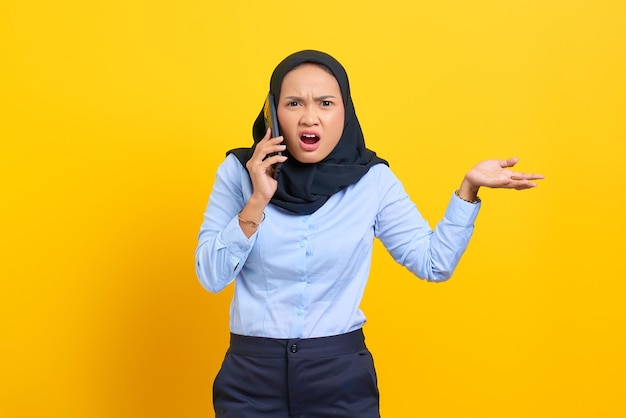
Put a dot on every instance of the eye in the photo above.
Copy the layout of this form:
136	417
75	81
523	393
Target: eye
292	104
326	103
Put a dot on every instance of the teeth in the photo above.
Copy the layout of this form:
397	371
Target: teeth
308	136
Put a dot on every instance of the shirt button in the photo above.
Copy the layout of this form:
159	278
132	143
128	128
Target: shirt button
294	348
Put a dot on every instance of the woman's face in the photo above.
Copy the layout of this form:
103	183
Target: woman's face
310	113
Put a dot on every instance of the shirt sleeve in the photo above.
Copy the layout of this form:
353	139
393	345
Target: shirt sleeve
429	254
222	246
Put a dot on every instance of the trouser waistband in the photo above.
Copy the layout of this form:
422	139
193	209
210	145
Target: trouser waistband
335	345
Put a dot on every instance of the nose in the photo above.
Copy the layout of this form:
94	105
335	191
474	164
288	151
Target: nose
309	117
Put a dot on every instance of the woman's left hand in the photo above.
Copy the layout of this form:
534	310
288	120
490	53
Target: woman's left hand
496	174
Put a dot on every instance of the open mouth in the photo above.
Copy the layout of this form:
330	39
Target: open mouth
309	139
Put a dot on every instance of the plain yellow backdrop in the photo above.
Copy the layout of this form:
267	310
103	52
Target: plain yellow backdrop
115	114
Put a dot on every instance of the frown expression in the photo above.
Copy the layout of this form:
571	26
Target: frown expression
310	112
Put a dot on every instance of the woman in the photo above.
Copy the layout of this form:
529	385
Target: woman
299	246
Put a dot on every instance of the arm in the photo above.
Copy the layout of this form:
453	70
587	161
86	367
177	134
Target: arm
227	233
429	254
222	245
433	255
261	168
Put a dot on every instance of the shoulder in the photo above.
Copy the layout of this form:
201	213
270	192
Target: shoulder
231	173
231	167
381	174
382	181
232	162
379	181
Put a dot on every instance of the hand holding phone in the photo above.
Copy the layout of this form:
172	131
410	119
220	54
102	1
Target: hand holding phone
271	121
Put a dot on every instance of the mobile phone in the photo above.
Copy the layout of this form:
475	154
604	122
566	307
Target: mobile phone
271	121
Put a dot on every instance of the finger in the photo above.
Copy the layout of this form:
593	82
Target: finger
270	164
270	142
264	167
523	184
273	146
273	160
277	140
509	163
266	137
268	146
526	176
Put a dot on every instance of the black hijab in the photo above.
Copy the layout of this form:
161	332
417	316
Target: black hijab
304	188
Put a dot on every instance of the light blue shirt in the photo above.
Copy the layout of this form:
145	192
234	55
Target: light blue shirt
303	276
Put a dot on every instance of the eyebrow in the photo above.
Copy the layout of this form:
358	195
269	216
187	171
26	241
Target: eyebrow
318	98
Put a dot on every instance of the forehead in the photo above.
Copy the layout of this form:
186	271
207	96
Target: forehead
310	74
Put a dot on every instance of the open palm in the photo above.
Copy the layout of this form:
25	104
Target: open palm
497	174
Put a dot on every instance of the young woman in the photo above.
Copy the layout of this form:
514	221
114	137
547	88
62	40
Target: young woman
299	247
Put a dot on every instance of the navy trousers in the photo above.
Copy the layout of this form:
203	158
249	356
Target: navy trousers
297	378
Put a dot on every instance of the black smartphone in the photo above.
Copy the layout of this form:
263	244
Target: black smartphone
271	121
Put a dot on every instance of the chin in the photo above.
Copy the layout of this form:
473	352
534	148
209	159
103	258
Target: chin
308	159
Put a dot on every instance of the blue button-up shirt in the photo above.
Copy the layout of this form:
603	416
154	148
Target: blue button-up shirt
303	276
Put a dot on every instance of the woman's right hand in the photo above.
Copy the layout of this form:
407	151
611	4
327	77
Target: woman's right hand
261	166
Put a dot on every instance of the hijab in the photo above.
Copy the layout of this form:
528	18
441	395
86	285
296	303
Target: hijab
305	187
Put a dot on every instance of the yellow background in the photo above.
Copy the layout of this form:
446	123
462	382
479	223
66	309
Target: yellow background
115	114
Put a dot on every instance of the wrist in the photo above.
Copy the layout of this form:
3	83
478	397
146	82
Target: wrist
468	192
252	214
254	224
257	203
